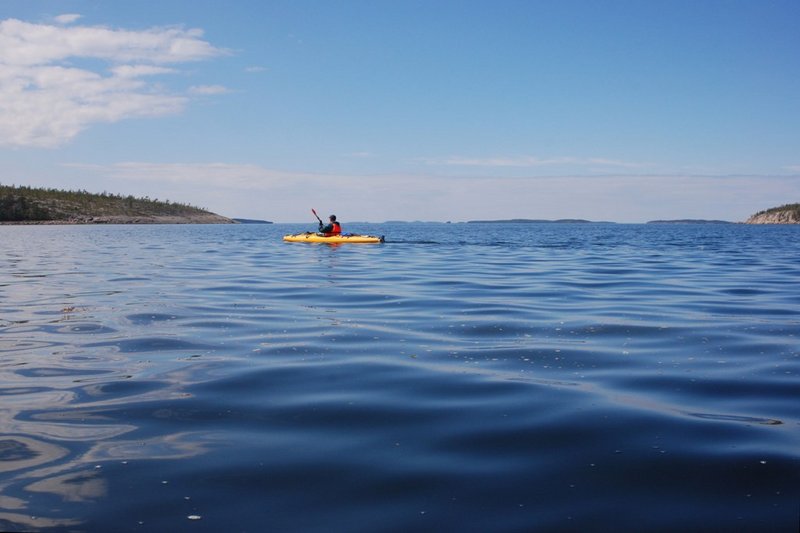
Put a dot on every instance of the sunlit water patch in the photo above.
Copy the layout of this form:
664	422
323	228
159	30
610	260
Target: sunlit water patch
459	377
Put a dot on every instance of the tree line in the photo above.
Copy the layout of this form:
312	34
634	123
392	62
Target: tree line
23	203
788	207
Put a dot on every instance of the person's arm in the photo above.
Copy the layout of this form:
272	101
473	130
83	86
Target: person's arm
325	229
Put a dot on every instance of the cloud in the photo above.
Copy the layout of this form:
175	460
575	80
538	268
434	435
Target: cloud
135	71
529	162
208	89
227	175
67	18
25	43
522	161
613	163
45	100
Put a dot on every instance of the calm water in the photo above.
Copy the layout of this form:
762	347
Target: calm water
457	378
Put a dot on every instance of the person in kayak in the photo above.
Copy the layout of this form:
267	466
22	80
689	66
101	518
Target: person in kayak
333	228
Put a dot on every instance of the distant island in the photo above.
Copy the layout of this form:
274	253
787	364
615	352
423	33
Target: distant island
251	221
407	222
27	205
536	221
690	221
785	214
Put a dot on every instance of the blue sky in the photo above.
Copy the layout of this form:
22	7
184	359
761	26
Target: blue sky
418	110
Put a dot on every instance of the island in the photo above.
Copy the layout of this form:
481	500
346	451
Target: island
536	221
28	205
251	221
690	221
785	214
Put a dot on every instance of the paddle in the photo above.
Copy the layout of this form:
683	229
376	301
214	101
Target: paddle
316	215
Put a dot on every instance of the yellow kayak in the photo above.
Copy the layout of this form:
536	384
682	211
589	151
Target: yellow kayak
333	239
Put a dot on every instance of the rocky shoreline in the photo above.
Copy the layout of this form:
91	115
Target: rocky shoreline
783	217
787	214
207	218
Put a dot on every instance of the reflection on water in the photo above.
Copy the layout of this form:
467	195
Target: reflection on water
55	439
79	486
71	371
507	379
19	452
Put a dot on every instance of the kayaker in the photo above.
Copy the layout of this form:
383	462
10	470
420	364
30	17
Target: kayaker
333	228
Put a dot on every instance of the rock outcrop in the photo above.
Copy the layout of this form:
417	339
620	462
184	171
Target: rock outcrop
787	214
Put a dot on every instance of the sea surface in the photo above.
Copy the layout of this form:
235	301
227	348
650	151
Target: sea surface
459	377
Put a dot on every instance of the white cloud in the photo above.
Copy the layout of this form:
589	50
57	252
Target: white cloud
521	161
255	69
46	101
599	161
25	43
135	71
67	18
210	175
529	162
208	89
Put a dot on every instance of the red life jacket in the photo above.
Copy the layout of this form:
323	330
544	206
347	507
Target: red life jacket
337	229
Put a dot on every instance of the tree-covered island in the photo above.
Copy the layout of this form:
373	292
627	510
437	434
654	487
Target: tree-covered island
28	205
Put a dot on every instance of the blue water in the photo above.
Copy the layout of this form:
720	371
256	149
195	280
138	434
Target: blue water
459	377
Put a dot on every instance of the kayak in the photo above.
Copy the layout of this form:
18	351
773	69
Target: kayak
333	239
